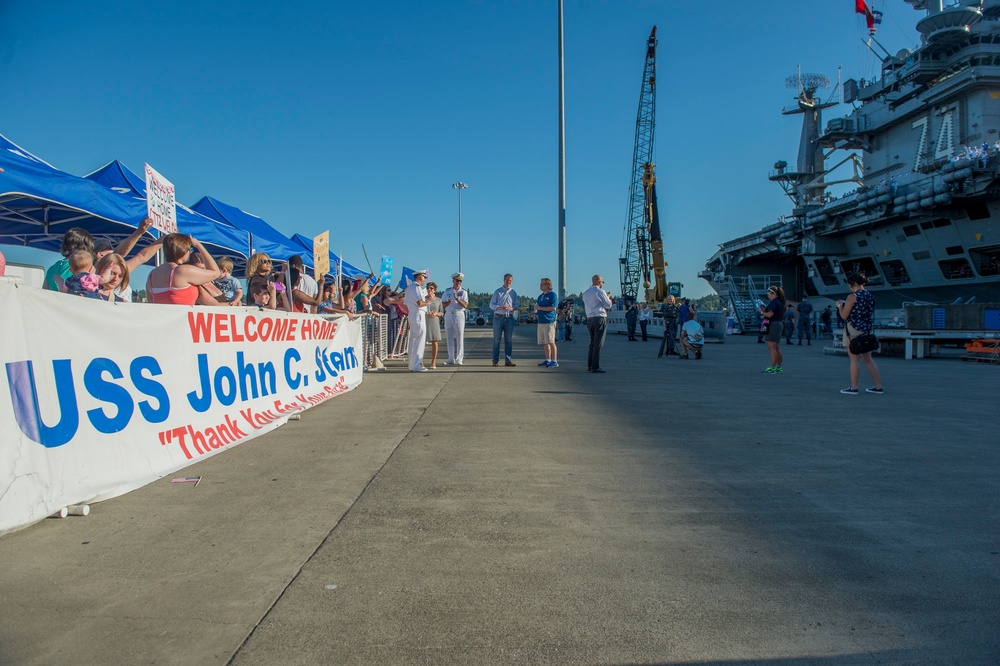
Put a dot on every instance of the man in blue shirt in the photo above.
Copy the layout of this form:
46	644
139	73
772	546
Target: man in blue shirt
504	306
545	310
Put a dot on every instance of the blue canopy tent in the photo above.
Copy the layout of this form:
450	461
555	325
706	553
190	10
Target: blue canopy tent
39	203
218	238
349	271
263	237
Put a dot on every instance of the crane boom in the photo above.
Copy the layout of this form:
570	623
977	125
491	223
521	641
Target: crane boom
659	292
642	228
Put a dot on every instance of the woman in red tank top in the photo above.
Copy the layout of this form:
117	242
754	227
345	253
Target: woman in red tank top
176	282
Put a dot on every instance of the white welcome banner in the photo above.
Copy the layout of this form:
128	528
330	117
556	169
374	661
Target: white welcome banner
97	398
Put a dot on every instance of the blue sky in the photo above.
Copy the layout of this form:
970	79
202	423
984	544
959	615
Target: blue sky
356	117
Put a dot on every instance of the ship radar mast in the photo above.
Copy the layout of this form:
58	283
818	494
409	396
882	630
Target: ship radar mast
805	185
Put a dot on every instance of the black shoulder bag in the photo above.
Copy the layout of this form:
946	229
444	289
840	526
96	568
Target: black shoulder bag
864	343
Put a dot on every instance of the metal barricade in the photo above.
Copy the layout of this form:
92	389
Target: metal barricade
400	348
375	339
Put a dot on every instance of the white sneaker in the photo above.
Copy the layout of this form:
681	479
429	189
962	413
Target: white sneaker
420	369
449	363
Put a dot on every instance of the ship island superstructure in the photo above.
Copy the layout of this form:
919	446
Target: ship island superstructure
923	148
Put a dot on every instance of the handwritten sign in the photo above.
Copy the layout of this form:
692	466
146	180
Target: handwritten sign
321	255
161	201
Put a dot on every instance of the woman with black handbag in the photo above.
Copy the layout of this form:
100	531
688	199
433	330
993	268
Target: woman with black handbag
858	311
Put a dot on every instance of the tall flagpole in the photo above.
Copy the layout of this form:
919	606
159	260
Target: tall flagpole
562	164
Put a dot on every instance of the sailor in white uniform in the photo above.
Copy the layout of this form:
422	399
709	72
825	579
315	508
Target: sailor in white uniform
416	302
455	300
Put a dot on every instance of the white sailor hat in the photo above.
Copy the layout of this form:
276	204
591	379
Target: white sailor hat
422	271
457	276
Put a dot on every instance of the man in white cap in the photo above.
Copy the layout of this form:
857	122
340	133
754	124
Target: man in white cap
455	300
416	302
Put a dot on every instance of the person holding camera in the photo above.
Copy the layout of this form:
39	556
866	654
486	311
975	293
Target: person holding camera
858	313
670	313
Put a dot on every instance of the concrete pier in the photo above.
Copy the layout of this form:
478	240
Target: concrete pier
668	511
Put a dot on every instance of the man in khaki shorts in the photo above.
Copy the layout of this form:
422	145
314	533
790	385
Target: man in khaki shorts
545	310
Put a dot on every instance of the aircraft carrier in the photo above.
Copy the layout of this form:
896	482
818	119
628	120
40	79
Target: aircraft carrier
921	146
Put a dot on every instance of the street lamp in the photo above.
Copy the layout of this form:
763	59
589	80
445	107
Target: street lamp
459	186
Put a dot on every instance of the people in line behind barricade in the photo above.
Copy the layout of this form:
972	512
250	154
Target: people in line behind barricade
362	299
348	294
307	285
670	313
378	307
300	301
73	240
391	302
82	281
331	303
175	282
435	312
114	275
78	238
209	293
227	284
259	272
455	300
692	337
260	295
374	293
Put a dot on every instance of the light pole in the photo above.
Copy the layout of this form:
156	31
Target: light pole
562	166
460	186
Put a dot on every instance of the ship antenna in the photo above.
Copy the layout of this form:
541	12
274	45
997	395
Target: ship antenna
839	91
868	43
884	50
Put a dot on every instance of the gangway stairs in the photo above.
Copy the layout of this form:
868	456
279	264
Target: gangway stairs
745	294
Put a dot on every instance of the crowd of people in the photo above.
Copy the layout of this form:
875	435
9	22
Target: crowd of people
190	275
